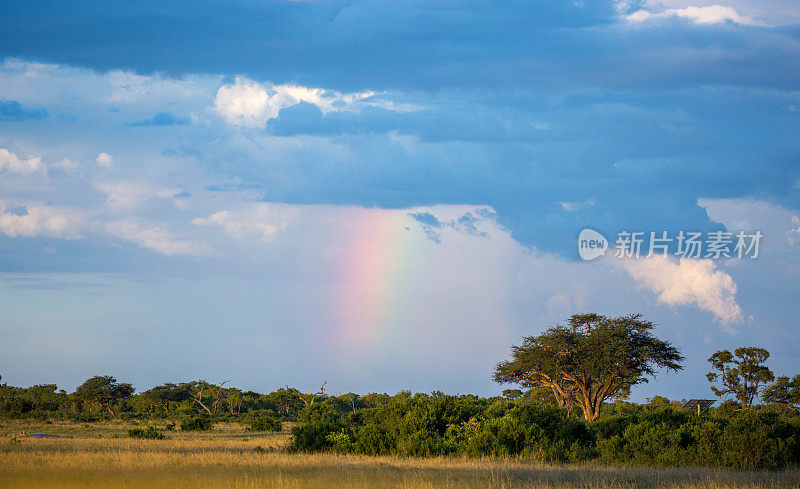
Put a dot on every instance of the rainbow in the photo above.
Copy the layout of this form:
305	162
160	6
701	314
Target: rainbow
371	275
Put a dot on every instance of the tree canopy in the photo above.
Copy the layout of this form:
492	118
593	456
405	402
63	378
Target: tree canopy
165	394
104	391
589	360
741	373
784	391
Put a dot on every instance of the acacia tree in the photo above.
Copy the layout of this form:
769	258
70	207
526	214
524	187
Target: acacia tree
286	399
784	391
219	391
164	395
308	399
196	391
741	373
103	391
589	360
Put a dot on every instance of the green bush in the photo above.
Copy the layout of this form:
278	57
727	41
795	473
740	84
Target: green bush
313	437
151	433
761	439
340	441
750	439
265	423
535	431
83	417
372	439
656	434
196	423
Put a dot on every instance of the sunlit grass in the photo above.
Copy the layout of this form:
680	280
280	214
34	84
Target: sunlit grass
100	456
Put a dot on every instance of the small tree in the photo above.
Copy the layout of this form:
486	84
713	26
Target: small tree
196	391
164	395
784	391
103	391
741	373
286	399
308	399
591	359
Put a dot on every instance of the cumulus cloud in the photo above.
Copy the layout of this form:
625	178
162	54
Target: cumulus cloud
32	220
251	104
261	221
711	14
157	239
67	165
779	225
127	194
11	163
104	160
687	282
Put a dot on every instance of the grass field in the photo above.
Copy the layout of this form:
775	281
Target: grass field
101	456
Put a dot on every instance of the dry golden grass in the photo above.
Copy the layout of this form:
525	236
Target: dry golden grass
89	456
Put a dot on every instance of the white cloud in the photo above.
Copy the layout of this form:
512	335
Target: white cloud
711	14
156	239
126	194
687	282
31	220
129	88
262	221
251	104
577	206
793	234
779	225
11	163
770	12
104	160
66	165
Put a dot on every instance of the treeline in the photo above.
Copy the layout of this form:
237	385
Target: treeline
529	426
658	433
104	398
574	378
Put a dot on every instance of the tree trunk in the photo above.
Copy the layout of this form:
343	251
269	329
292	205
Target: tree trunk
110	411
590	412
202	406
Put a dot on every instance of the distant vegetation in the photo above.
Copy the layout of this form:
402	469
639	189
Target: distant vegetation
570	407
150	433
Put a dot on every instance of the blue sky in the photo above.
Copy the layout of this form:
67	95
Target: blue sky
386	195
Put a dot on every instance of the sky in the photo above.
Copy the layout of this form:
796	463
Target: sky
387	195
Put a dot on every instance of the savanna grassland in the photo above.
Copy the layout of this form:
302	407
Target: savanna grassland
101	455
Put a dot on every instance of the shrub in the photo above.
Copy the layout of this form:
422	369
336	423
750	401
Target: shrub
340	441
750	439
265	423
151	433
372	439
83	417
533	430
196	423
313	436
760	439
